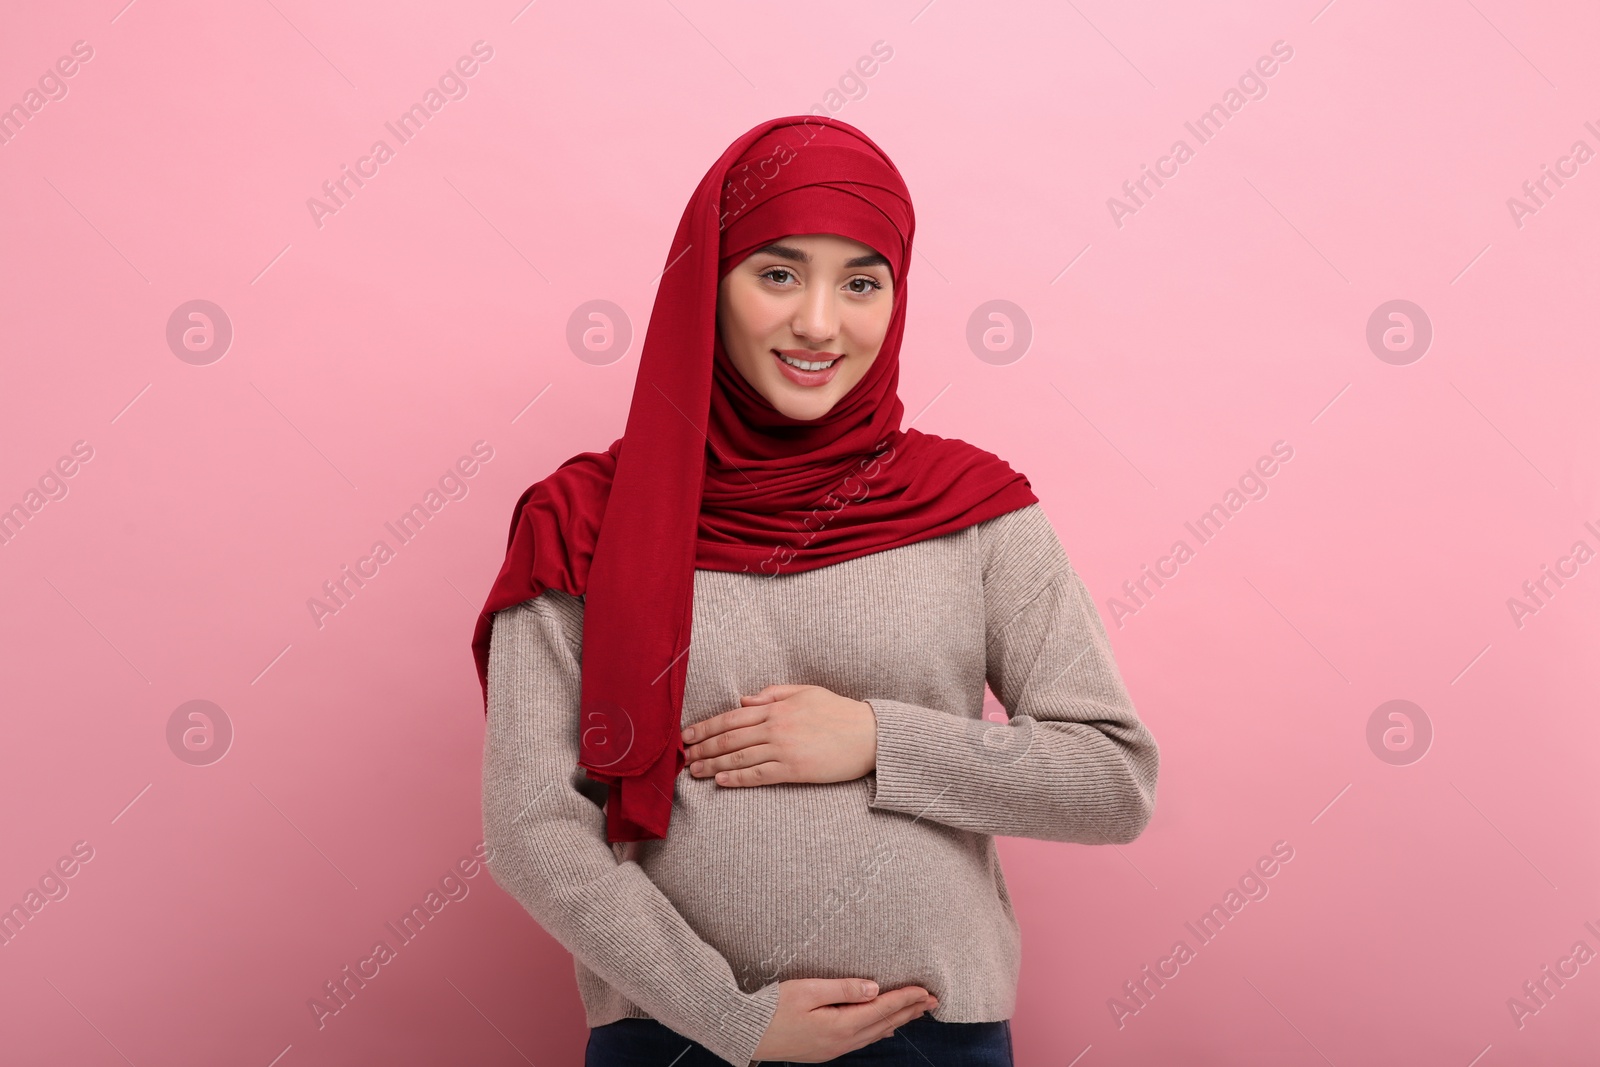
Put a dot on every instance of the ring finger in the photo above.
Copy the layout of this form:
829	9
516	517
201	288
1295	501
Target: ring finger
732	761
898	1019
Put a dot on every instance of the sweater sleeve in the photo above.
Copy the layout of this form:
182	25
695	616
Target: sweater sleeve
542	816
1074	762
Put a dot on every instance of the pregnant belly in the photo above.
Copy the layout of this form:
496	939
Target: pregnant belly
805	880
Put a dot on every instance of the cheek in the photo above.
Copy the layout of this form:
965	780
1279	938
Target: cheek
869	328
732	332
752	321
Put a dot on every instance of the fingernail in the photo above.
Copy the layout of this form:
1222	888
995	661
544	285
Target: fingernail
872	989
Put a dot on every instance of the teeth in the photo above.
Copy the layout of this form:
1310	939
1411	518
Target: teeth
803	365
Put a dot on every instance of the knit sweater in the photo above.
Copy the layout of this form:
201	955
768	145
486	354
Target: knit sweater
894	876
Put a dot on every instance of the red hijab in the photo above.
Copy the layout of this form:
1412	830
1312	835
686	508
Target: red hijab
709	475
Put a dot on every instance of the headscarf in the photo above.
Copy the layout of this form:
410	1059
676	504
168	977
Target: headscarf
708	474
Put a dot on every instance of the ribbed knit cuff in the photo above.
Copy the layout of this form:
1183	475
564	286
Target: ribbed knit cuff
740	1027
918	754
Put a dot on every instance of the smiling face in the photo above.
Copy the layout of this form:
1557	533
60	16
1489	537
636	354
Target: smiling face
817	299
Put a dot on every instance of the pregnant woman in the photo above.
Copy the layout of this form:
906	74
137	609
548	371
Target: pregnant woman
734	666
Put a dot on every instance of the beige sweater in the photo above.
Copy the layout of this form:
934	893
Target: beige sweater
892	877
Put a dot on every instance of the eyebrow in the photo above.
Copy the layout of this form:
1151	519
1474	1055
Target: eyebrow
799	255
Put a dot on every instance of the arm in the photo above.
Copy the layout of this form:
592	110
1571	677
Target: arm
542	816
1074	763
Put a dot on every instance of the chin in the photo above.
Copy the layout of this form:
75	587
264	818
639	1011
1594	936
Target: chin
805	409
804	412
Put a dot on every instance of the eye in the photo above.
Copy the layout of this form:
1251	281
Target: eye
873	282
770	271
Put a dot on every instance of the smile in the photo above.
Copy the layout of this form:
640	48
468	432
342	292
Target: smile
803	365
807	372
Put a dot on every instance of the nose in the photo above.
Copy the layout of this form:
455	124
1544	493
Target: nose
816	319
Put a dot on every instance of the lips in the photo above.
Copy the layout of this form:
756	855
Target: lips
809	378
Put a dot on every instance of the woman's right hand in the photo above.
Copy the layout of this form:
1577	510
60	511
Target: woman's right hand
819	1019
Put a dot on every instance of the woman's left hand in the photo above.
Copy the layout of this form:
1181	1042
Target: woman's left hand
786	733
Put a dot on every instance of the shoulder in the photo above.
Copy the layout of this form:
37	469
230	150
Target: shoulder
1021	555
552	610
1022	537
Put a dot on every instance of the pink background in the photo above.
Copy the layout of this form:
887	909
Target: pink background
368	354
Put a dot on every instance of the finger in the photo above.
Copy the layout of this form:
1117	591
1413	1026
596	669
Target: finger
731	741
899	1019
878	1025
816	992
769	773
884	1005
870	1021
732	761
782	692
719	723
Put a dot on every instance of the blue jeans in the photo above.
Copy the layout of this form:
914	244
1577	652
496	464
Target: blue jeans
922	1042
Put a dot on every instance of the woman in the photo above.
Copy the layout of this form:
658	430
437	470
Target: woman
763	620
